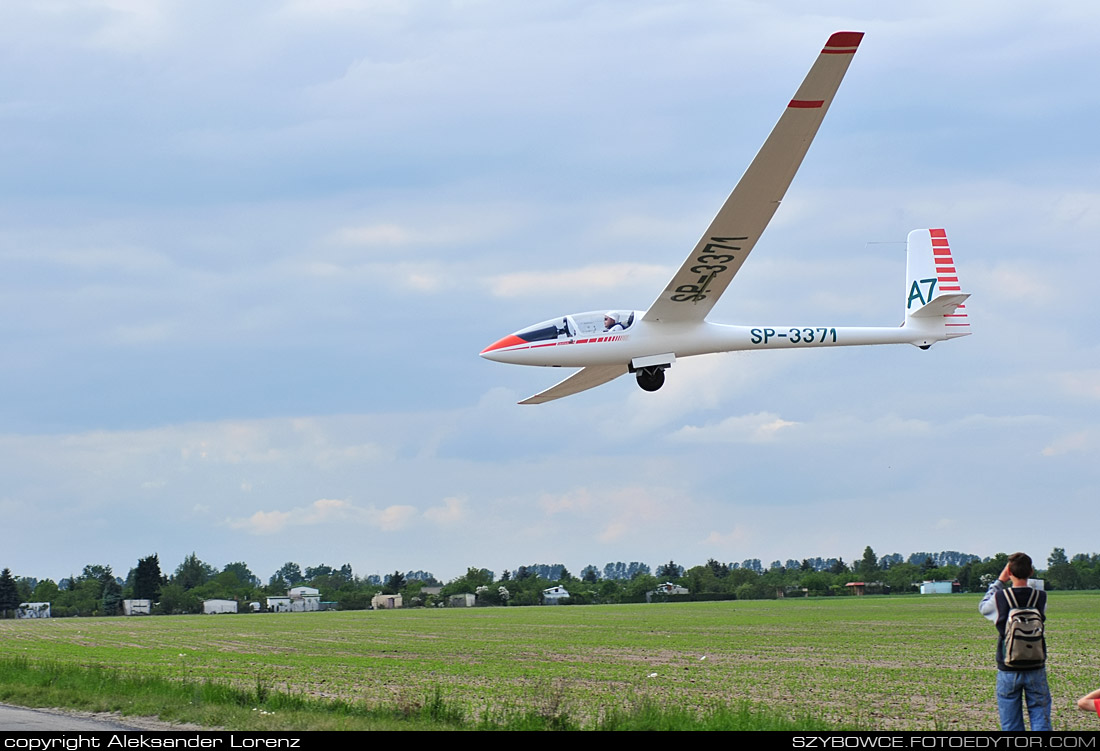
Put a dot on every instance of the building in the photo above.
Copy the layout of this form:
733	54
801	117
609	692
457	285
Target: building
939	588
33	610
385	602
554	595
219	606
304	599
137	607
278	604
464	600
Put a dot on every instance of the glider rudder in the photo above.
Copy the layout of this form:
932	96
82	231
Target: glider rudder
933	297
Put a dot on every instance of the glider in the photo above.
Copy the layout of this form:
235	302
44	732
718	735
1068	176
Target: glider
606	345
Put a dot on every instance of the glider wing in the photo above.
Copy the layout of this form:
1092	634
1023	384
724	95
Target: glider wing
582	380
732	234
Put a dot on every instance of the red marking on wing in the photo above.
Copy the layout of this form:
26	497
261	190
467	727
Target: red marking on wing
806	104
843	43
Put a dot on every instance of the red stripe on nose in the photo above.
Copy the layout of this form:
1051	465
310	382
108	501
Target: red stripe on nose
509	341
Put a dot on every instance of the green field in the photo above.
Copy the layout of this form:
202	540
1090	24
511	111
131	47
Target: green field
920	663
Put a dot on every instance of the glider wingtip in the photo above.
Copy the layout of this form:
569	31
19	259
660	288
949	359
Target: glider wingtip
844	39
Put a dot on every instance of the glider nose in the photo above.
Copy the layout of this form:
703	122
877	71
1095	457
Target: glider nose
494	350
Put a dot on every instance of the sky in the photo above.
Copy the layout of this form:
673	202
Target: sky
249	253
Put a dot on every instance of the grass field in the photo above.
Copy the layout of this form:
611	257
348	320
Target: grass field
874	662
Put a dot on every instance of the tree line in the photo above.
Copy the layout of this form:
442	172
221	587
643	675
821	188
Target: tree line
98	591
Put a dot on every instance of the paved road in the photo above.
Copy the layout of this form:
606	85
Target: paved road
16	719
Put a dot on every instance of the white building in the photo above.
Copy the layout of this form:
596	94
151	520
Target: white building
666	590
935	588
33	610
464	600
554	595
278	604
304	599
219	606
137	607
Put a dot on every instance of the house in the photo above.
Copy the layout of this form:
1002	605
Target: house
554	595
385	602
464	600
137	607
304	599
667	589
278	604
219	606
939	588
33	610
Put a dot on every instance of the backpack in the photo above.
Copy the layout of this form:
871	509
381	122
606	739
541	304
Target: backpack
1024	645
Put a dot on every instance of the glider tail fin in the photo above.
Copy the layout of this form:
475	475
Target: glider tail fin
933	297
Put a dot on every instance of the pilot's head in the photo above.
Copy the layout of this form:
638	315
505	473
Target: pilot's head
610	319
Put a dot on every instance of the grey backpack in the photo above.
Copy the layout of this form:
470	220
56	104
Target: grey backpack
1024	647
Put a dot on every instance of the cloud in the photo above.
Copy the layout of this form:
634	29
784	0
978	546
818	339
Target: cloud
1080	384
326	511
376	235
763	427
594	278
452	510
1082	440
734	539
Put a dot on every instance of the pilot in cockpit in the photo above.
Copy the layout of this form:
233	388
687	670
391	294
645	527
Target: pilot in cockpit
611	321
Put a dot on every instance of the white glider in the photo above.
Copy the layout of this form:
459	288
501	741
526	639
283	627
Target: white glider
608	345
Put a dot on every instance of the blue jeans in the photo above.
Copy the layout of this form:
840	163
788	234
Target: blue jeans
1033	685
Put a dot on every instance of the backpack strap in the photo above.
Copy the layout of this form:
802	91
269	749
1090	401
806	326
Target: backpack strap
1011	597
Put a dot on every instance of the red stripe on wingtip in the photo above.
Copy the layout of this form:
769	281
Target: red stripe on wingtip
806	104
845	39
937	233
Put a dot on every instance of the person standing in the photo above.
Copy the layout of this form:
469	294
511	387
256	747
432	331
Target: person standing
1019	613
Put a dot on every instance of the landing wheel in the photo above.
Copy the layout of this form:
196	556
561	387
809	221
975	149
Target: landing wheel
651	379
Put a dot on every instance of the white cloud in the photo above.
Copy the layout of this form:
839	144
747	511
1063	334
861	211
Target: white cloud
758	428
1082	384
452	510
1079	441
326	512
594	278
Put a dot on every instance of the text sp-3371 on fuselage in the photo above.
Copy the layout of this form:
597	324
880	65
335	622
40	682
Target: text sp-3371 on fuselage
819	335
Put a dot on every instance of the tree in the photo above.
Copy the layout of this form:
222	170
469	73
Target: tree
868	567
670	570
111	601
288	575
193	572
590	574
243	573
9	593
312	572
147	578
175	599
395	582
1061	574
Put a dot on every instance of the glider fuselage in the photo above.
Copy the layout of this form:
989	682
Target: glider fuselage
644	339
